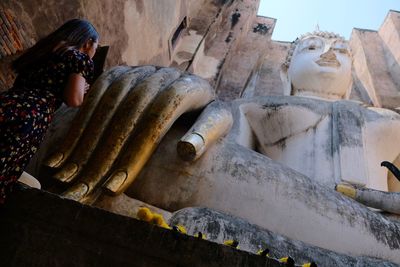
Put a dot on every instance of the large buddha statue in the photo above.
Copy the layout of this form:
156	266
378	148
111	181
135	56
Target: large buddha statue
273	161
316	134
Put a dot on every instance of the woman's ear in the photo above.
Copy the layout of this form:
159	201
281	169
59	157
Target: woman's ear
89	47
88	44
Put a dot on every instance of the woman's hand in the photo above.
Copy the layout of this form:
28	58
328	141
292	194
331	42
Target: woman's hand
75	90
87	87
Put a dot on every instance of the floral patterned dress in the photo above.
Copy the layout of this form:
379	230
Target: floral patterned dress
26	111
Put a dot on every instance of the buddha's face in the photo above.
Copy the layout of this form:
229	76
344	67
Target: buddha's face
321	67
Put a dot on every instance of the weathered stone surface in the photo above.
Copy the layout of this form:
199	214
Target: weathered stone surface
390	34
372	68
268	78
236	73
229	29
219	227
41	229
138	32
201	17
238	181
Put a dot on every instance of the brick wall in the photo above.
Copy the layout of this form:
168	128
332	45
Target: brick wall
13	40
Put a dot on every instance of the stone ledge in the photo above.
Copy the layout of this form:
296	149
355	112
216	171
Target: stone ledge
38	228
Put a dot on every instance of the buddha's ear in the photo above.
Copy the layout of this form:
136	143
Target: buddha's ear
292	92
349	87
286	82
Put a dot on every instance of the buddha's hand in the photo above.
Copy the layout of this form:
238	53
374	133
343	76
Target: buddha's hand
126	114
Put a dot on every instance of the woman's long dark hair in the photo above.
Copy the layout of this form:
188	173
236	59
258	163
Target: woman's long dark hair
72	34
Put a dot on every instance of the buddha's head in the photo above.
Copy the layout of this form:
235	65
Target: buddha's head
319	65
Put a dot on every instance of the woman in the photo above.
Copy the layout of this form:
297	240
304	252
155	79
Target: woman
57	69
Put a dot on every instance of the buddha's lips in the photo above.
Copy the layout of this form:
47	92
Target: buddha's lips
328	63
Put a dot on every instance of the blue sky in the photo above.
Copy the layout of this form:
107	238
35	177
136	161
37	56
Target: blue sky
296	17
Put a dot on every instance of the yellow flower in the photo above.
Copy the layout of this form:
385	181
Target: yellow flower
180	228
144	214
232	243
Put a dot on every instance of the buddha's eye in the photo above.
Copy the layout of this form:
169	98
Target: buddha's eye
341	50
311	45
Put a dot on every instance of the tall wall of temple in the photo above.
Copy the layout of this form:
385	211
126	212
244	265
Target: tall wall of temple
191	35
376	61
138	32
222	41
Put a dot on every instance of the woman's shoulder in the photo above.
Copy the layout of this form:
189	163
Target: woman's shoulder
75	54
79	62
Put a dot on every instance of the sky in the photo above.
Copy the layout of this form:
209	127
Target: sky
296	17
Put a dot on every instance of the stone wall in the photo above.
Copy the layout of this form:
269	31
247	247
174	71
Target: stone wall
376	58
222	41
41	229
210	38
137	31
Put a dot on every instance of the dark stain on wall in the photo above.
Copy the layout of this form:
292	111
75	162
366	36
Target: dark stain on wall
139	6
235	18
261	28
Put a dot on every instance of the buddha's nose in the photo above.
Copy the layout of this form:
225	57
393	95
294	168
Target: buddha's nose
328	55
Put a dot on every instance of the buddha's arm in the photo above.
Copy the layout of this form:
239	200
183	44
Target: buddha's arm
387	201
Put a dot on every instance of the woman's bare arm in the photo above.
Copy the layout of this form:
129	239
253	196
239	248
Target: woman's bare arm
74	90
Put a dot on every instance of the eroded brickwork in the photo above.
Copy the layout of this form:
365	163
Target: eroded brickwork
13	40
